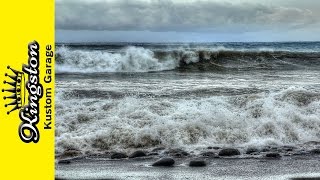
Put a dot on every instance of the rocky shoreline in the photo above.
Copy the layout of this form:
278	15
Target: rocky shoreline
167	156
177	164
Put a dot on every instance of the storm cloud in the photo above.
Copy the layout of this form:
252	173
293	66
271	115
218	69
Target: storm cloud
186	16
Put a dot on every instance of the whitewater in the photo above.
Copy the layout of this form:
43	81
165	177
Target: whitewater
128	96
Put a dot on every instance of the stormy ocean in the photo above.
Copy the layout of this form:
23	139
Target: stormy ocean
123	96
193	97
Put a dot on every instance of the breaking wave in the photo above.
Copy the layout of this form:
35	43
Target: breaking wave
139	59
289	116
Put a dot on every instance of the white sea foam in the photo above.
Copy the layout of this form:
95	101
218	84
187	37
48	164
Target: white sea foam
289	116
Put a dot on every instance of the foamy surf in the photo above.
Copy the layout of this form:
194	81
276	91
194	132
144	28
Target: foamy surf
196	97
279	118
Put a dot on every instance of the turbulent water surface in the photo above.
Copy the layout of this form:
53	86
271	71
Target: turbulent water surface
127	96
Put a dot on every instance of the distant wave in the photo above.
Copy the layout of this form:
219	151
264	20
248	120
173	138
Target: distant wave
139	59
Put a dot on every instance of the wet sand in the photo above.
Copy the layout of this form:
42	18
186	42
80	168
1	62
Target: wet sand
295	168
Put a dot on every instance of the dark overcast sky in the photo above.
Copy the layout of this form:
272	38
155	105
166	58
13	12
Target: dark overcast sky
187	20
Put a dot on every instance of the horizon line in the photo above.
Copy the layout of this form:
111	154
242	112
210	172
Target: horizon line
186	42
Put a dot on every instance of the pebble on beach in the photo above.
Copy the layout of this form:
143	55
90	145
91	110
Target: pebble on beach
208	154
118	155
138	153
70	153
315	151
164	162
64	161
252	150
273	155
229	152
197	163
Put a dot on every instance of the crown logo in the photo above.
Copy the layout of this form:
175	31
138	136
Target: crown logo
17	96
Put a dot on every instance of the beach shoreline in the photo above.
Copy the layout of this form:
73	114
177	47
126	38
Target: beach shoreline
297	167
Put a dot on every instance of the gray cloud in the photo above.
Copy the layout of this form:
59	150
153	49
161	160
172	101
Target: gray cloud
166	15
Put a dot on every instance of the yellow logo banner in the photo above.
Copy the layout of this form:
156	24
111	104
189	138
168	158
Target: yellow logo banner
27	89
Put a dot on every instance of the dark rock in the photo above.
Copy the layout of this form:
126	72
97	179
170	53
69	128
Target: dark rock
184	153
178	155
164	162
288	148
229	152
213	147
299	153
158	149
273	148
108	153
305	178
177	152
252	150
197	163
315	151
71	153
208	154
137	154
265	150
288	154
64	161
273	155
118	155
59	178
105	154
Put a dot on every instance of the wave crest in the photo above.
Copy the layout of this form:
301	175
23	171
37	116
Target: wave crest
131	59
139	59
